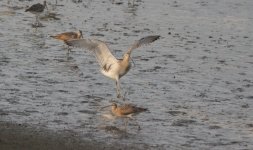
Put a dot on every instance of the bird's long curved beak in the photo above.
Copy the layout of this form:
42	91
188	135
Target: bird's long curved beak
104	107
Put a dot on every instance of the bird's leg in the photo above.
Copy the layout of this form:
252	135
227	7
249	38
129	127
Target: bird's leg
139	127
37	23
124	97
68	49
126	121
118	89
130	4
67	54
36	20
54	6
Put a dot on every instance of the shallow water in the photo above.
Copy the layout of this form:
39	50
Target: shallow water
196	81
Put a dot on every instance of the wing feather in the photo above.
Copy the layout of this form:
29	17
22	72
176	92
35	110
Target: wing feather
99	48
143	41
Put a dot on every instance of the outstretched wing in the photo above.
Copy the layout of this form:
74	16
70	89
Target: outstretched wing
143	41
99	48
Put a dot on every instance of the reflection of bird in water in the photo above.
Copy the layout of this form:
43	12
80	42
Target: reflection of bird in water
129	2
37	9
56	4
68	36
125	111
109	65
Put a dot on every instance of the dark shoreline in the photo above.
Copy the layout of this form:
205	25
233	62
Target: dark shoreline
26	137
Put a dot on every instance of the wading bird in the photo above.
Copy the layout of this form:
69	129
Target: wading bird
37	9
68	36
125	111
109	65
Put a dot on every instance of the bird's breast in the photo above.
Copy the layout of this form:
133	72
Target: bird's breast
124	69
116	70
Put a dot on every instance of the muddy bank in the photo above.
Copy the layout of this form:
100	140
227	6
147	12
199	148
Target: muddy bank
23	136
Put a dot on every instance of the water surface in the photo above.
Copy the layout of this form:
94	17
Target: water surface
196	81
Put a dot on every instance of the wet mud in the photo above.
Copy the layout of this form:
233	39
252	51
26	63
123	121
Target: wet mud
196	80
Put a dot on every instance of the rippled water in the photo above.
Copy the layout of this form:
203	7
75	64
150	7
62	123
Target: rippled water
196	81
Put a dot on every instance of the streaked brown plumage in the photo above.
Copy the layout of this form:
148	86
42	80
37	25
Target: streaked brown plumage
126	110
68	36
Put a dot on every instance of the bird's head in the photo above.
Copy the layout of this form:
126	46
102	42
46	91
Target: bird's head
114	105
127	56
80	34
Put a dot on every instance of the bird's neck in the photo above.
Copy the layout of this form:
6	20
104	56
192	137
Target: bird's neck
78	35
125	63
126	59
114	109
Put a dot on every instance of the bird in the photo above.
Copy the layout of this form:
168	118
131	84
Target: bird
68	36
110	66
125	111
129	3
37	9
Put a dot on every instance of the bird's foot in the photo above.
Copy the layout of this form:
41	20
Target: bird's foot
119	96
69	50
37	25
